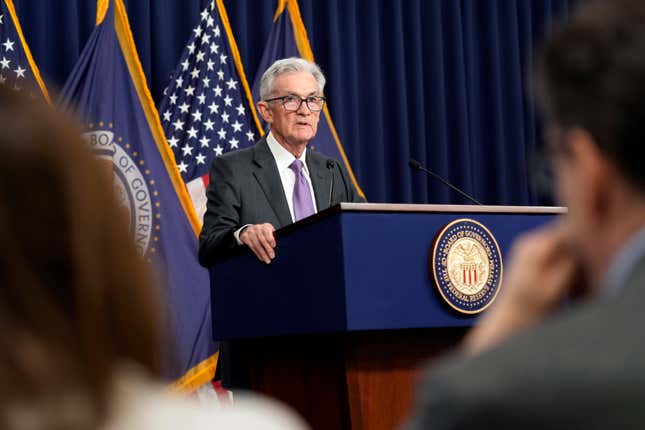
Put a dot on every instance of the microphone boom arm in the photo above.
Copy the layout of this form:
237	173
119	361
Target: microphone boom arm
416	165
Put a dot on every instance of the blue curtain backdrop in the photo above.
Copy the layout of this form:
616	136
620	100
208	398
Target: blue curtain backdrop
442	81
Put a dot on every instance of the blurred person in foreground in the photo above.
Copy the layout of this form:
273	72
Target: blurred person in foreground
80	321
532	362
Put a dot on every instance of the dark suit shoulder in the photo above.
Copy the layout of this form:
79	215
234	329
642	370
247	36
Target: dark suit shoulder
239	156
323	161
318	156
238	163
577	369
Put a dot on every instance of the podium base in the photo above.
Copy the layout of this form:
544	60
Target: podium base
352	380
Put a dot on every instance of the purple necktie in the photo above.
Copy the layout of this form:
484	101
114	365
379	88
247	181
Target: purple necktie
303	205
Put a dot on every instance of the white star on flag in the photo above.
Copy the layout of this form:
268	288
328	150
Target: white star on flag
187	149
192	133
173	141
8	45
179	125
19	70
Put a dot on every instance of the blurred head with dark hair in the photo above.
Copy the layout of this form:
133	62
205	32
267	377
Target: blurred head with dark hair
591	88
75	298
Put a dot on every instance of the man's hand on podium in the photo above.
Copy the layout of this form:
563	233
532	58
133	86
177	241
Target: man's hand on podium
260	238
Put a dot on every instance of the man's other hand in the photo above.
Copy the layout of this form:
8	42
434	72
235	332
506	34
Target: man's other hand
259	237
542	271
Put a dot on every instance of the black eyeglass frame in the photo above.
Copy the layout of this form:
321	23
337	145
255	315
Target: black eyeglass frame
302	100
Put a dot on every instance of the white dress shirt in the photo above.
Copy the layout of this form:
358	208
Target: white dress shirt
283	160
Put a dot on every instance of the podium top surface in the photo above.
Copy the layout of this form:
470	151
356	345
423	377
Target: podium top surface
405	207
421	208
353	267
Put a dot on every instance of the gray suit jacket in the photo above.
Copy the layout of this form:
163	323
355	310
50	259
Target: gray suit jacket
583	370
245	188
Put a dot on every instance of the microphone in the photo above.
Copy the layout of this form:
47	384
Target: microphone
416	165
330	167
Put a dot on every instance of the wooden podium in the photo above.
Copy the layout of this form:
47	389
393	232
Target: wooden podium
340	323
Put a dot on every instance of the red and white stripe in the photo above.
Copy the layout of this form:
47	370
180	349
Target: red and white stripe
197	191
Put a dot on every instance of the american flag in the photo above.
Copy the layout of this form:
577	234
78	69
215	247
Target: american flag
204	112
17	67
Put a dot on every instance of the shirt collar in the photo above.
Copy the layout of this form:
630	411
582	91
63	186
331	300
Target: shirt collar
283	158
624	264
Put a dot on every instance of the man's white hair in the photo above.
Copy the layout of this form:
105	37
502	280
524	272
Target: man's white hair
289	65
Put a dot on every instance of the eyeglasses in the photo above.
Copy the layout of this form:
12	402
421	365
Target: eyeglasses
292	103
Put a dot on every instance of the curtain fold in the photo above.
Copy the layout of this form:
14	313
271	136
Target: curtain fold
442	81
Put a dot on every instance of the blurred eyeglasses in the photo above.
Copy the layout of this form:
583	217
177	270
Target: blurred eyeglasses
292	103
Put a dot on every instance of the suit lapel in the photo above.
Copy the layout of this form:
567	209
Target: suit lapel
635	278
320	179
268	177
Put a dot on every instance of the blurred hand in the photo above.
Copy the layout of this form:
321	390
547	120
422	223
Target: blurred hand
542	271
259	237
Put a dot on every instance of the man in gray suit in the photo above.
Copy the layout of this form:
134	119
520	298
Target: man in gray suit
278	181
254	191
533	362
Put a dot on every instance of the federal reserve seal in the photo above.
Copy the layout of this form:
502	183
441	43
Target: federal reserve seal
466	265
135	192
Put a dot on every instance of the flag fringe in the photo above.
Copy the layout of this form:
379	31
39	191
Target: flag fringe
279	9
129	50
304	48
101	10
203	372
197	376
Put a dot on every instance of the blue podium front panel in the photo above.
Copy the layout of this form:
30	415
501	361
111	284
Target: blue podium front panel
301	291
350	270
387	255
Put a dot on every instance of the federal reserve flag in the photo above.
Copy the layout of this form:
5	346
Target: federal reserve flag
207	109
288	38
18	69
107	89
